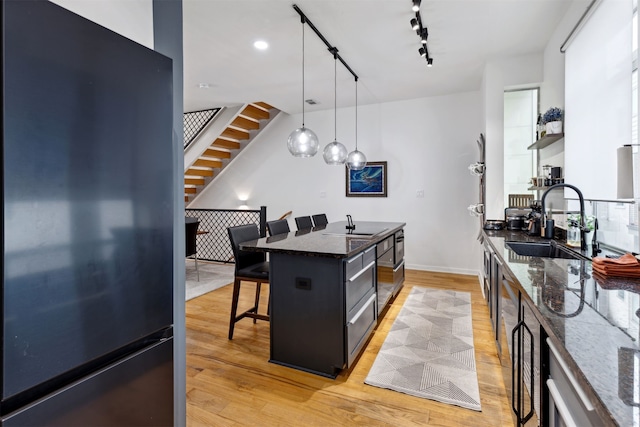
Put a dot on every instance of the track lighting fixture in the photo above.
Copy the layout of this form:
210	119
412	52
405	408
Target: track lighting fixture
421	31
335	153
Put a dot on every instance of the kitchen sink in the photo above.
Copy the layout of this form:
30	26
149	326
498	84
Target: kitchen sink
541	250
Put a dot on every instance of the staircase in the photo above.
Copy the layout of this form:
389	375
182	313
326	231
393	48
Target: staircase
238	133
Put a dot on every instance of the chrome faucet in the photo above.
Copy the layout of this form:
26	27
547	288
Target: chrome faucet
583	242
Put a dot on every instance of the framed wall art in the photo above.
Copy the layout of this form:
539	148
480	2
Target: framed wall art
368	182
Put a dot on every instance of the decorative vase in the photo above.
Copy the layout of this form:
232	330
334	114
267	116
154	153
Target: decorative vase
554	127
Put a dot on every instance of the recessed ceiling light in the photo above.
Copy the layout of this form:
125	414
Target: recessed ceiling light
260	44
205	85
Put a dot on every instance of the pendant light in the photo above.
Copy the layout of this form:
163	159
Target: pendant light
356	160
303	142
335	153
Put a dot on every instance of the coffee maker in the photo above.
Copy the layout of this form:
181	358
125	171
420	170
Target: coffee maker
535	219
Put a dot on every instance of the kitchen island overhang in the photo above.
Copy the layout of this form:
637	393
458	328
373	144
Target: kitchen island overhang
324	292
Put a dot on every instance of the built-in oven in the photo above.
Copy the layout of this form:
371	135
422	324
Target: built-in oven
487	272
385	271
399	247
390	268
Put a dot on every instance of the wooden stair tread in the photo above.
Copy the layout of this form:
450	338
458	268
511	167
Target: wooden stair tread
245	123
208	163
263	105
199	172
194	181
218	154
225	143
235	134
255	113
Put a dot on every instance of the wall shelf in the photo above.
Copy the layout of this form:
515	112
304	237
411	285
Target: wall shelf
545	141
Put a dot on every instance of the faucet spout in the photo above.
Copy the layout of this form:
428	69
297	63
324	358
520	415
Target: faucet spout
595	245
583	242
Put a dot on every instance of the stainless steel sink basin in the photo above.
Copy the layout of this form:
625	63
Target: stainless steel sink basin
541	250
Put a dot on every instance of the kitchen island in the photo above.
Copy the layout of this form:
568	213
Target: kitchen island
324	299
584	330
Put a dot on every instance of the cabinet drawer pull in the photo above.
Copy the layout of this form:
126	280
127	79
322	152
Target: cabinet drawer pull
395	270
583	396
364	308
560	404
359	273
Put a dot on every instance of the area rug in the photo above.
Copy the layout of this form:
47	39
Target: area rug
429	350
212	277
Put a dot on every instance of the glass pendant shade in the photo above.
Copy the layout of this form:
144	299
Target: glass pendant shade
335	153
356	160
303	142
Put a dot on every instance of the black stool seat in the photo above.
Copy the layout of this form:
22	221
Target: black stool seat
250	267
256	271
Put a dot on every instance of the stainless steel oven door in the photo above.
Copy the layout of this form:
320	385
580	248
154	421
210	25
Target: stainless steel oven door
399	246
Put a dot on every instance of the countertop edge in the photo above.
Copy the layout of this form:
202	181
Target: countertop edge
368	243
600	407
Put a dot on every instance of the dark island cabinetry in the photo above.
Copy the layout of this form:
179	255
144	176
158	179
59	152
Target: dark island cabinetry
324	292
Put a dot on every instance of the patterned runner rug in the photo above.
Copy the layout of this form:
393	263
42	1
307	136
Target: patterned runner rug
429	350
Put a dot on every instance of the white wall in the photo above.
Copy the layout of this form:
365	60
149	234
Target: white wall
130	18
428	144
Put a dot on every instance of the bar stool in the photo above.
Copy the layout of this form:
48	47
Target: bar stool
303	222
250	267
320	220
278	226
190	233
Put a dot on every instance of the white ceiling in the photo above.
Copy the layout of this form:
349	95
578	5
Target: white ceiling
373	36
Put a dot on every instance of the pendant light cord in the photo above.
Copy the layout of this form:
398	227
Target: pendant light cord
335	96
356	114
302	20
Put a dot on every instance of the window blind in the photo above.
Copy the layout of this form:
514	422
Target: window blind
598	99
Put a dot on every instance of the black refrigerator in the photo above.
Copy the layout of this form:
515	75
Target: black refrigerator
87	234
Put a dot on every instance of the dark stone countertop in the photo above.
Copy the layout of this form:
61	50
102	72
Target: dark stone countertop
593	321
332	240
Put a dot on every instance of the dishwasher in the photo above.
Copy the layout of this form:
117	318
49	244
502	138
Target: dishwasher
520	355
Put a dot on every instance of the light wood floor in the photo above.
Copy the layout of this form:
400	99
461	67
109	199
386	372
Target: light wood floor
231	383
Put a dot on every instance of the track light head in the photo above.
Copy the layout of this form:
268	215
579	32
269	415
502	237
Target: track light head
422	52
429	62
416	5
424	36
414	24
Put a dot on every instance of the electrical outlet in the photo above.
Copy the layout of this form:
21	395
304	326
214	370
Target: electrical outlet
420	193
323	194
303	283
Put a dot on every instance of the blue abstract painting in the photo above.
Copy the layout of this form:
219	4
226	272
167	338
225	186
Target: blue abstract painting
368	182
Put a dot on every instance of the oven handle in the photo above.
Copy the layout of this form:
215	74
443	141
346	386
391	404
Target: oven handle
560	404
583	396
364	308
395	270
361	272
